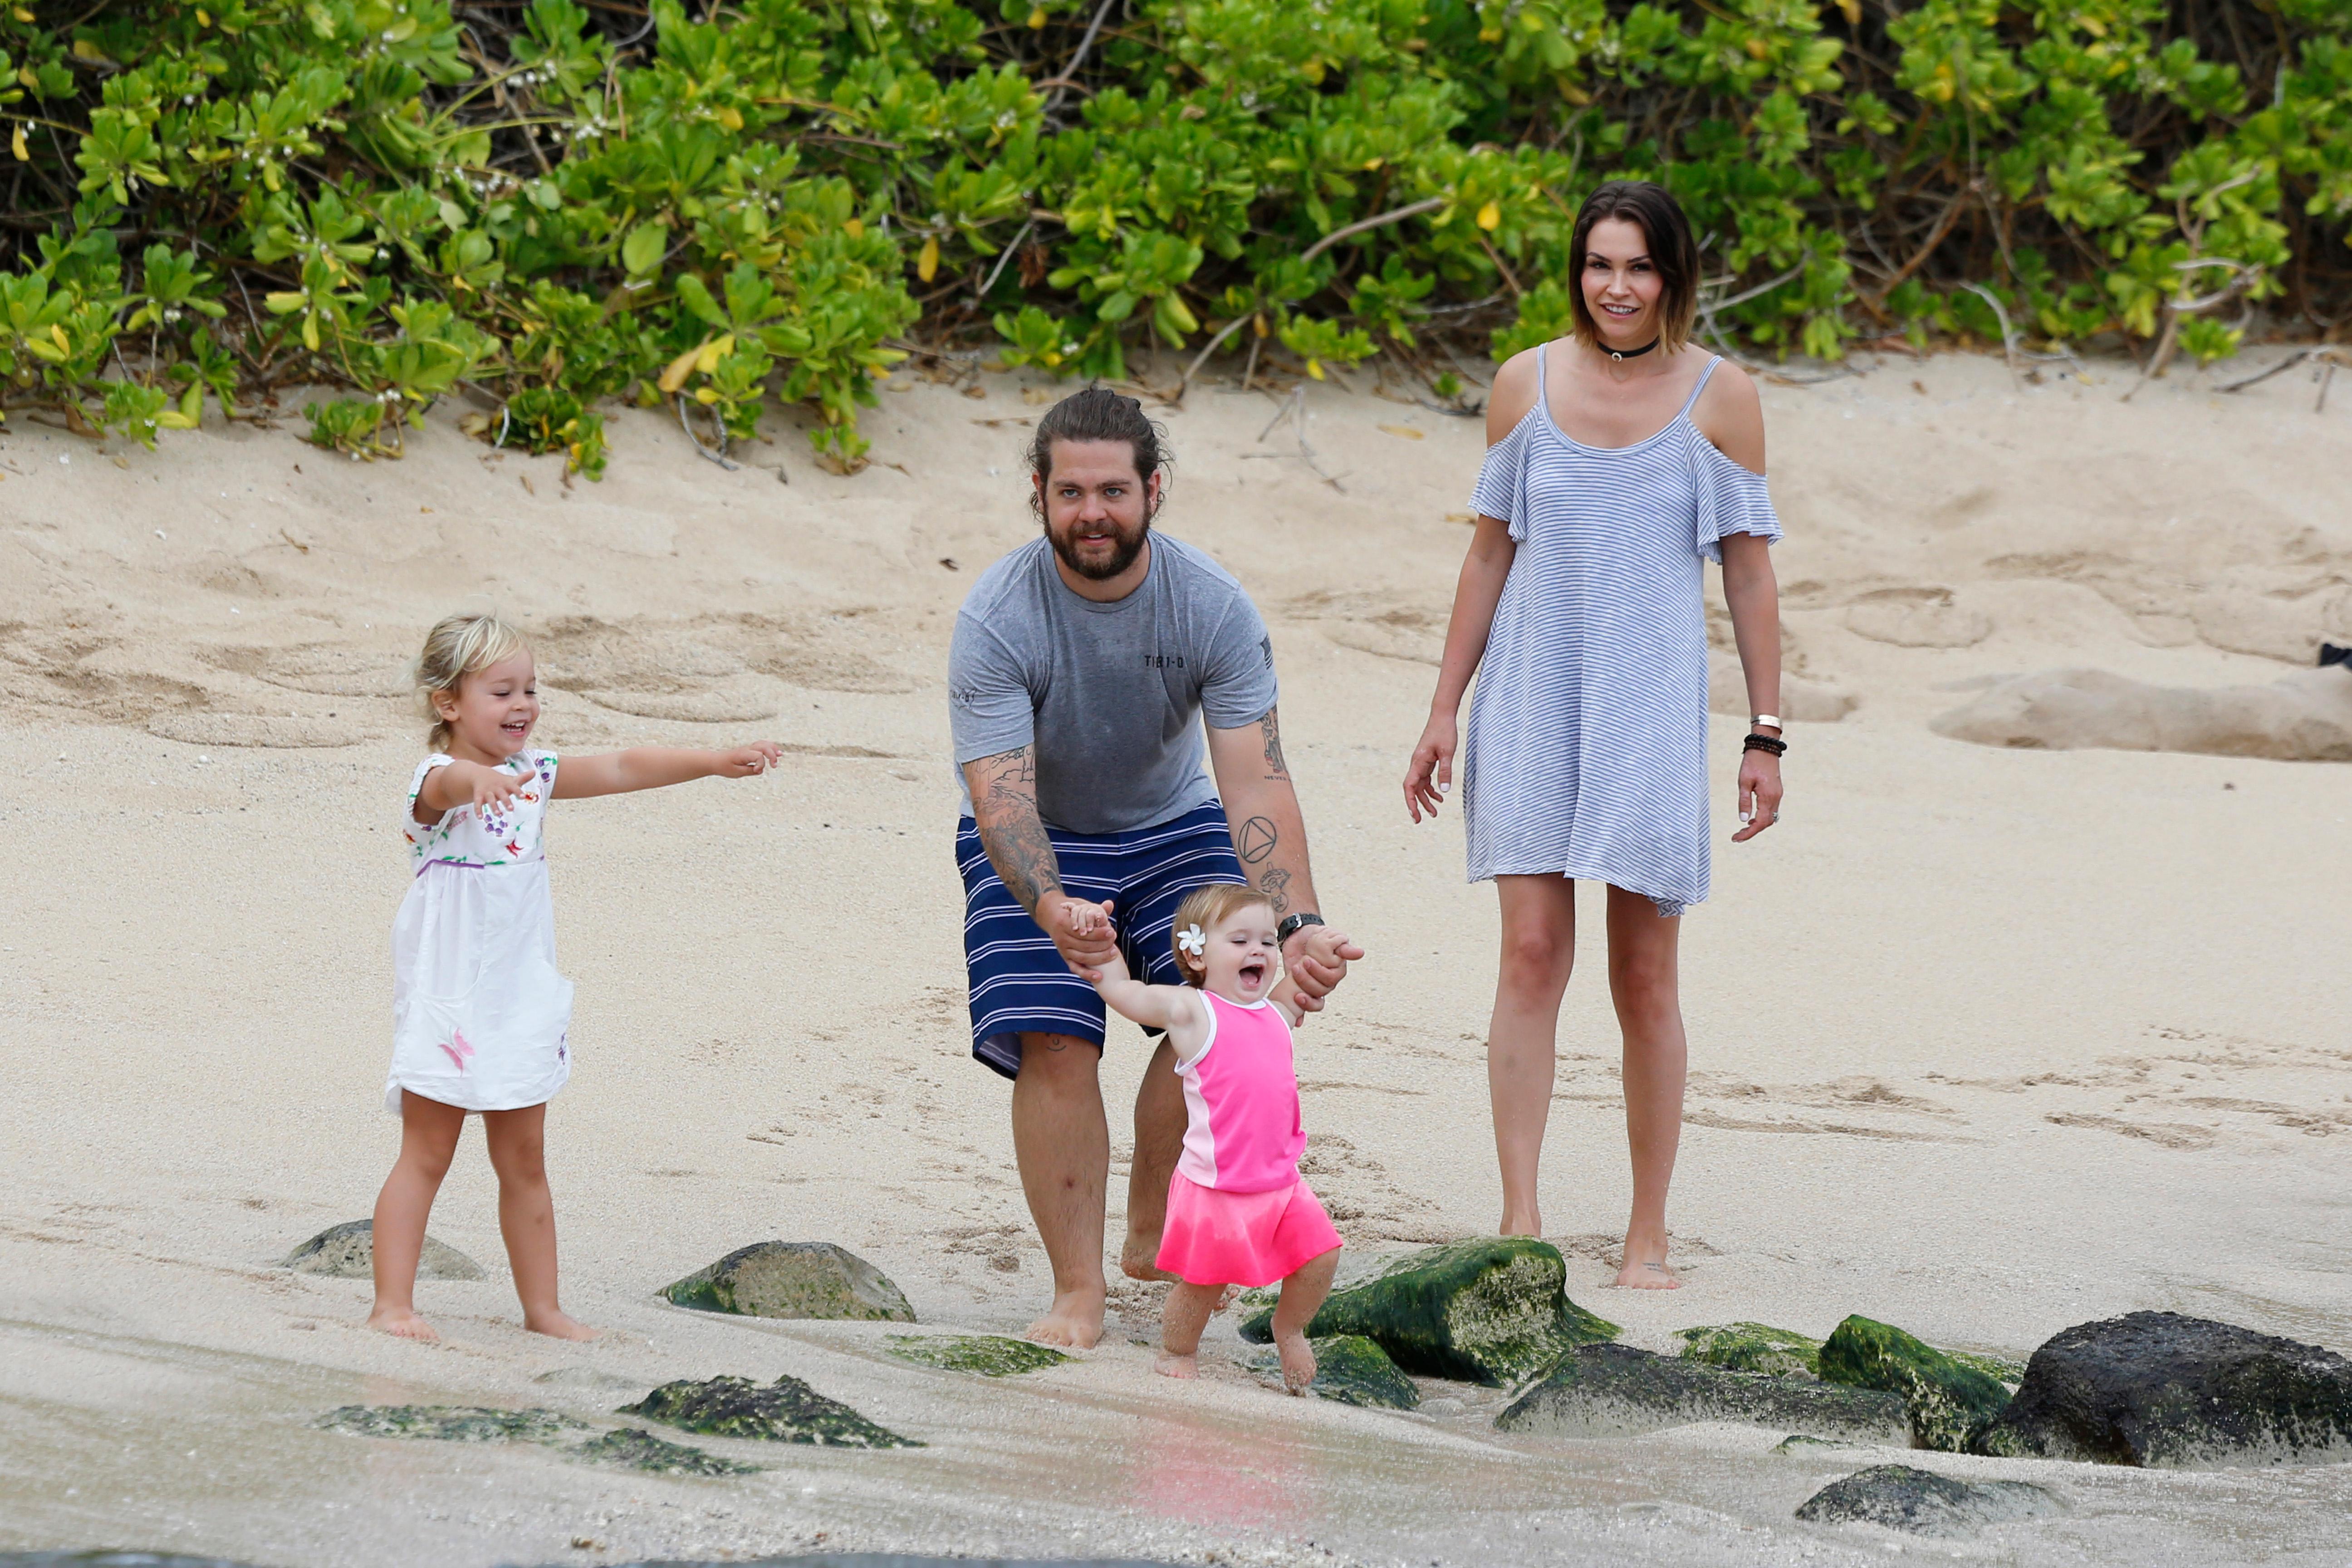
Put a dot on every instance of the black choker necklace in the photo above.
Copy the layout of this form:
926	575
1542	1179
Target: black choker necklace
1621	356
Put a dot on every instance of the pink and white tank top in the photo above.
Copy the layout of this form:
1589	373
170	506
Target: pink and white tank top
1241	1096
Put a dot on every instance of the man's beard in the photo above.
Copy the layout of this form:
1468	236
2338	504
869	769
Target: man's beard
1127	547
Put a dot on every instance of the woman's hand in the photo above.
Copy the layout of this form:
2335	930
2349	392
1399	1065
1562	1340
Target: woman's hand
1759	793
1430	775
745	761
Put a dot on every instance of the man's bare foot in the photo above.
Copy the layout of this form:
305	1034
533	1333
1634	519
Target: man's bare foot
1642	1276
1173	1366
559	1326
1075	1320
1297	1361
1139	1259
403	1321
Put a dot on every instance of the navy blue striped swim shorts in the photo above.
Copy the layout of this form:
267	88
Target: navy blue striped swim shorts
1019	982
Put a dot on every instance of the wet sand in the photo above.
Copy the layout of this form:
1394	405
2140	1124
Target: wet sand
1986	1041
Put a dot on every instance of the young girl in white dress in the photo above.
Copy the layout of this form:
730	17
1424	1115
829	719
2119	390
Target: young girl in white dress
479	1010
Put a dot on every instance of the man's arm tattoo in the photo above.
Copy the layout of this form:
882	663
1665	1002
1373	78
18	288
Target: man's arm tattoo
1271	728
1009	830
1255	840
1274	883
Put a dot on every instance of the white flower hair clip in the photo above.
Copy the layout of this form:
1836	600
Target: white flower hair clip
1192	939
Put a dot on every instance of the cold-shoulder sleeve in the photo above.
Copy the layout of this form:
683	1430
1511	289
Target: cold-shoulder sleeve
1501	491
1731	499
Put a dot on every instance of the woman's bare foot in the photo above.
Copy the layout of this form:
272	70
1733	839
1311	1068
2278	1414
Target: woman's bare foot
559	1326
1528	1224
1075	1320
403	1321
1297	1361
1639	1275
1171	1364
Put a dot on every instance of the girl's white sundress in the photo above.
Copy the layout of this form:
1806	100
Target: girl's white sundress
479	1011
1586	752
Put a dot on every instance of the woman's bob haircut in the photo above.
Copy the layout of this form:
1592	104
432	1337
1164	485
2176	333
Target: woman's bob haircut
1671	251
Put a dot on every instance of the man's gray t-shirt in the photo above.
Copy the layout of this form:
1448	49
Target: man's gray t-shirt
1111	694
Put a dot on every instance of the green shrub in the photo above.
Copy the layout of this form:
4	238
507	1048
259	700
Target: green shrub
559	202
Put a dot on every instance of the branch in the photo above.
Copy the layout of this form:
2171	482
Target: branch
1399	215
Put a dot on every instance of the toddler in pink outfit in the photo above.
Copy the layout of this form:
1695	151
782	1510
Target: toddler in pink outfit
1238	1211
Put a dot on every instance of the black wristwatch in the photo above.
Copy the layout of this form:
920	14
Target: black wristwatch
1293	924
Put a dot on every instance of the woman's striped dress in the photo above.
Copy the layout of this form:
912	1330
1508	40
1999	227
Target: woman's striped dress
1586	754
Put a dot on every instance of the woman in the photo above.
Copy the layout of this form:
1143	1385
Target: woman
1619	461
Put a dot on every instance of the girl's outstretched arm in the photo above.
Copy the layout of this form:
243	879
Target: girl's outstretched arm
1175	1008
652	768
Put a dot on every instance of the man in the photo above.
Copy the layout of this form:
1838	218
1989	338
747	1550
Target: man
1083	665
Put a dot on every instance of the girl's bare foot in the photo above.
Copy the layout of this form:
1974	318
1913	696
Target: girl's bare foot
1075	1320
1297	1361
1225	1298
558	1326
1173	1366
403	1321
1644	1275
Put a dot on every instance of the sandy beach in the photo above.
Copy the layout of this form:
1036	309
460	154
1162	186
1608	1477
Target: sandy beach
1987	1040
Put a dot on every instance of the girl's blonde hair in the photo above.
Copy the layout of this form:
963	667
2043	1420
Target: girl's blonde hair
457	646
1208	908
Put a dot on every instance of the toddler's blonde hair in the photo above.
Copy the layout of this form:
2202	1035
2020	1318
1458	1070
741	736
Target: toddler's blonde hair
457	646
1208	908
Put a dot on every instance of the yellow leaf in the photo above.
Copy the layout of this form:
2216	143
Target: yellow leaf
1853	9
731	116
1490	34
1374	163
84	49
855	228
58	333
714	351
1757	49
17	144
927	265
1315	368
681	368
204	19
1312	71
1407	431
1036	15
310	333
1490	216
172	419
23	14
705	396
1259	322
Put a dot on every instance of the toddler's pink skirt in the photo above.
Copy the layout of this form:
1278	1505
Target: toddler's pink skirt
1216	1237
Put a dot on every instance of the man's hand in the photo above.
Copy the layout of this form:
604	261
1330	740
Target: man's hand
1316	959
1082	933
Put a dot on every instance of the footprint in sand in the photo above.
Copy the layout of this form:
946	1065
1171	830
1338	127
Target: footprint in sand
2303	717
1915	617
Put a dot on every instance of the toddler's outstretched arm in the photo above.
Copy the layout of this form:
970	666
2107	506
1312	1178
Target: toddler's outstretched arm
1175	1008
656	767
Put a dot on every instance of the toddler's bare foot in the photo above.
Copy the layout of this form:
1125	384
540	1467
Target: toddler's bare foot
558	1326
1297	1361
1225	1298
403	1321
1170	1365
1076	1320
1644	1275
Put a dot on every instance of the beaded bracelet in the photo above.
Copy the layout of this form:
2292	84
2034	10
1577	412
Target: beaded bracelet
1764	743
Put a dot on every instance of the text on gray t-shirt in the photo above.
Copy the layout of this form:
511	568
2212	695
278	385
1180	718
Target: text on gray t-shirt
1112	695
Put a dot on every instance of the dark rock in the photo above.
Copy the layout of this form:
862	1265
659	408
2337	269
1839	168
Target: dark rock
785	1411
347	1251
1901	1498
112	1560
1753	1347
1616	1391
2156	1388
452	1423
639	1449
794	1279
1947	1400
1492	1310
1350	1369
990	1355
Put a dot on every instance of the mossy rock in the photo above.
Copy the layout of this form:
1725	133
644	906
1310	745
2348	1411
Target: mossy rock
347	1251
1946	1399
636	1448
793	1280
785	1411
1753	1347
1616	1391
453	1422
1491	1310
2000	1369
1798	1443
1350	1369
990	1355
1897	1497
